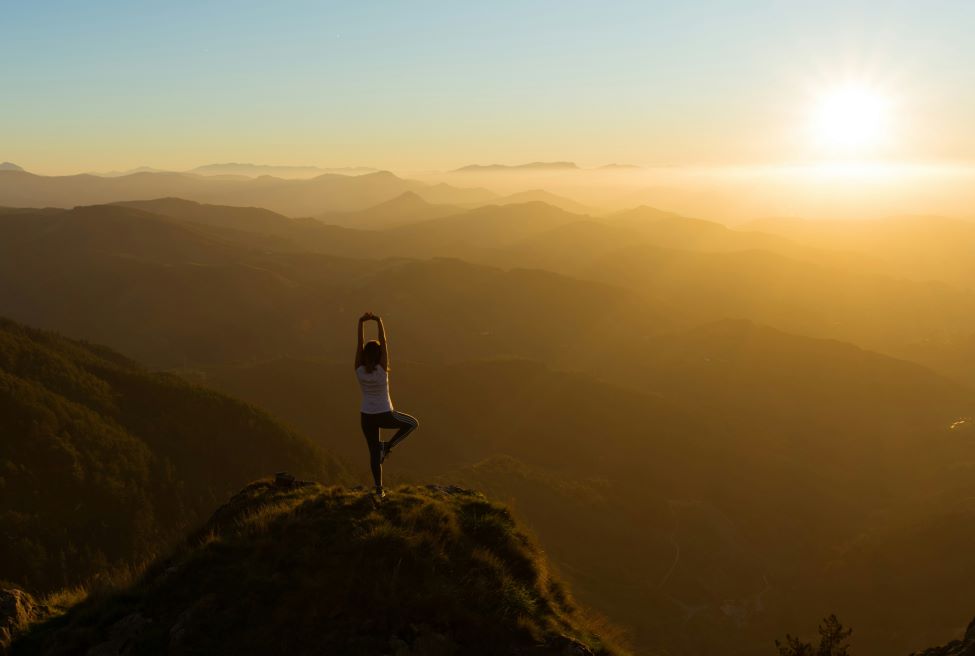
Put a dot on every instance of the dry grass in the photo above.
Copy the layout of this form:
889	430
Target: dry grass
328	567
63	599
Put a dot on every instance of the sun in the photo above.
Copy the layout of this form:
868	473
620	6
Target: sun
850	120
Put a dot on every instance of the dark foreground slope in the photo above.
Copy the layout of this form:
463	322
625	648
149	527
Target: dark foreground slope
325	570
103	462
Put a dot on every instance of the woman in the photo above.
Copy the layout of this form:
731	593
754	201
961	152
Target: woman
372	370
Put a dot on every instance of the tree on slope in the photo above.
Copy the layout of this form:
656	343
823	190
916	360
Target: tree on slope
833	641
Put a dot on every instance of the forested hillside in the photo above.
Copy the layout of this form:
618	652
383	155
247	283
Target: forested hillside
103	462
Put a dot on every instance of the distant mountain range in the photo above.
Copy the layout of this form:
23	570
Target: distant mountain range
9	166
533	166
282	285
540	195
408	207
247	170
698	270
254	170
310	197
138	169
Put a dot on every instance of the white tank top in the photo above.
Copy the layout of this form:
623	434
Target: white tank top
375	390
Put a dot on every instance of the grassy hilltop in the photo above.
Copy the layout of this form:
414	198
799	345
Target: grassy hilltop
327	570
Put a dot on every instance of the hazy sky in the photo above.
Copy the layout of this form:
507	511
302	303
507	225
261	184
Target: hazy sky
106	85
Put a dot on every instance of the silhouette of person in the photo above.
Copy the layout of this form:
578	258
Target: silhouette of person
372	371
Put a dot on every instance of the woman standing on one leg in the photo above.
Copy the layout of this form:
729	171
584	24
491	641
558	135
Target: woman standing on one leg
372	370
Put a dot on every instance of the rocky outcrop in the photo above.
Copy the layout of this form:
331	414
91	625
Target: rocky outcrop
963	647
18	609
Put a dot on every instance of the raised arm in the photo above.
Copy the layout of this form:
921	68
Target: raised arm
384	353
358	348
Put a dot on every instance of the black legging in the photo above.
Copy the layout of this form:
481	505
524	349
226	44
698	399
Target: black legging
370	428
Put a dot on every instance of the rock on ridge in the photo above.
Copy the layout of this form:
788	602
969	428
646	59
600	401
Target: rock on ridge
18	609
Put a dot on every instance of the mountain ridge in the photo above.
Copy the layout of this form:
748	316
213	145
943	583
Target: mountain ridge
408	207
291	197
532	166
252	170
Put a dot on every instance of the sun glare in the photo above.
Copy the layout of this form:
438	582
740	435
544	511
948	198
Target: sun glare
851	120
